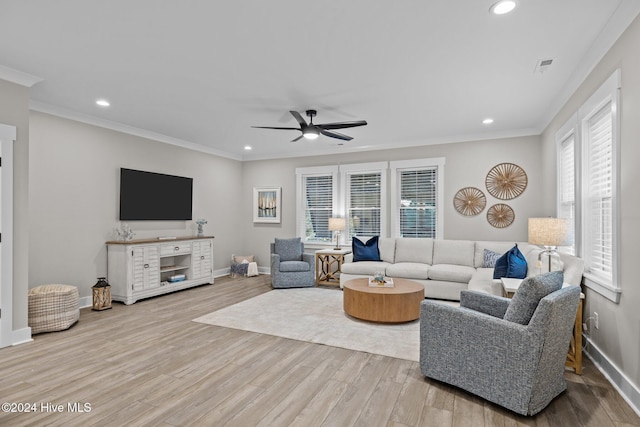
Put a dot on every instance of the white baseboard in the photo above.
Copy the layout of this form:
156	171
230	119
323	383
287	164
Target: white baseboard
222	272
86	302
629	392
21	336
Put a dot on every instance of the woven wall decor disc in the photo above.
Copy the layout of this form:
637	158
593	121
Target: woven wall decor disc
500	215
506	181
469	201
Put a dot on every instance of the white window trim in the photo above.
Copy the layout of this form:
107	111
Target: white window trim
608	92
414	164
301	206
375	167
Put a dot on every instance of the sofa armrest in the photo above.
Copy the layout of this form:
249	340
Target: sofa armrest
310	259
484	303
348	258
573	268
275	263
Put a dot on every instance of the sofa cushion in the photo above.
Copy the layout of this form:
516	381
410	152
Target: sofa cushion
408	270
531	291
512	264
292	266
414	250
289	249
364	267
451	272
483	281
387	248
457	252
366	251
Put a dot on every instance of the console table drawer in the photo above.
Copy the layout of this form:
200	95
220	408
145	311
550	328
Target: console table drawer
175	249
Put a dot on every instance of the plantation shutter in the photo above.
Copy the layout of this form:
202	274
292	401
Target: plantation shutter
599	194
318	199
364	195
418	203
567	181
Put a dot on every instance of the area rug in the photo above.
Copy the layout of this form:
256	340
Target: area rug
316	315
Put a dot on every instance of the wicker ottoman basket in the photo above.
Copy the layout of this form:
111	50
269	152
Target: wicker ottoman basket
53	308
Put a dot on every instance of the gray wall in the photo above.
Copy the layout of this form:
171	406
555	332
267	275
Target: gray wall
618	337
467	164
14	110
74	197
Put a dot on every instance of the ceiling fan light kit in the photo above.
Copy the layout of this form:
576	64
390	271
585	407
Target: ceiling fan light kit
312	131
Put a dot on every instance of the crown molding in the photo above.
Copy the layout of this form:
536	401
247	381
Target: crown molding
18	77
130	130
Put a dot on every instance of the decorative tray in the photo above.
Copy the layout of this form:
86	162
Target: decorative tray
386	283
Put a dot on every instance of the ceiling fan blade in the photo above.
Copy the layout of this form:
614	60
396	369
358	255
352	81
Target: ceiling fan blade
343	125
335	135
298	117
297	139
271	127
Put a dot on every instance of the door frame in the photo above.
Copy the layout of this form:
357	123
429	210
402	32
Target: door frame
7	139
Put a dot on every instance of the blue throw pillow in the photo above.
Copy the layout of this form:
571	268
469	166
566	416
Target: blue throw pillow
365	251
512	264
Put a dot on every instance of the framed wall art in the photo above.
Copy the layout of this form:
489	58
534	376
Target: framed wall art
267	205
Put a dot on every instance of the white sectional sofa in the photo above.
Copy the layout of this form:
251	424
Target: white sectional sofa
445	267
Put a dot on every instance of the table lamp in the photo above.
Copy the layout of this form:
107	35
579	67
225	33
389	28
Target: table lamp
549	233
337	225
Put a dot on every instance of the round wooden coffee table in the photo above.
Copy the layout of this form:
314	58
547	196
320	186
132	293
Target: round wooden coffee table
386	305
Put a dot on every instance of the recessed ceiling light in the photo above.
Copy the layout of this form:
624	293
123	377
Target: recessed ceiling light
502	7
247	147
103	102
487	121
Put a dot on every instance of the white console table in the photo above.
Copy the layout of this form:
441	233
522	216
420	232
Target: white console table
143	268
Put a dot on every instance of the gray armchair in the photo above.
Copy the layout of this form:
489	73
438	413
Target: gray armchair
290	266
517	366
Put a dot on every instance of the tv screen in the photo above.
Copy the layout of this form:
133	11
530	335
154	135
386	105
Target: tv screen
154	196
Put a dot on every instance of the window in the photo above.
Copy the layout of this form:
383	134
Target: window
358	192
316	203
364	198
417	197
588	182
598	182
566	138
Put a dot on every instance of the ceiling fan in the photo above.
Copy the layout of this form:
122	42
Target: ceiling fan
312	131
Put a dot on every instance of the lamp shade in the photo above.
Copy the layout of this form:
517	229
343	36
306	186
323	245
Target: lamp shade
550	231
337	224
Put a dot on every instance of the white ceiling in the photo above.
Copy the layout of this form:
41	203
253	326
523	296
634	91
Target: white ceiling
203	72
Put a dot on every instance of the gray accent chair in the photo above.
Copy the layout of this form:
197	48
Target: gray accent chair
290	266
519	367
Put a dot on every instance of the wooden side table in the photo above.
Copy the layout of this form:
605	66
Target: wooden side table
574	355
328	265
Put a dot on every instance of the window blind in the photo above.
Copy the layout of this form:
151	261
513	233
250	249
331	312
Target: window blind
418	195
567	182
318	199
363	202
599	193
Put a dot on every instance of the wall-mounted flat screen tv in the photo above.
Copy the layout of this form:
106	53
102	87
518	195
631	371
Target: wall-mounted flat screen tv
154	196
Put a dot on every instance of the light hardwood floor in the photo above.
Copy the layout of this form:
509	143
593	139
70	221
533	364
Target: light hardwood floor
149	364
